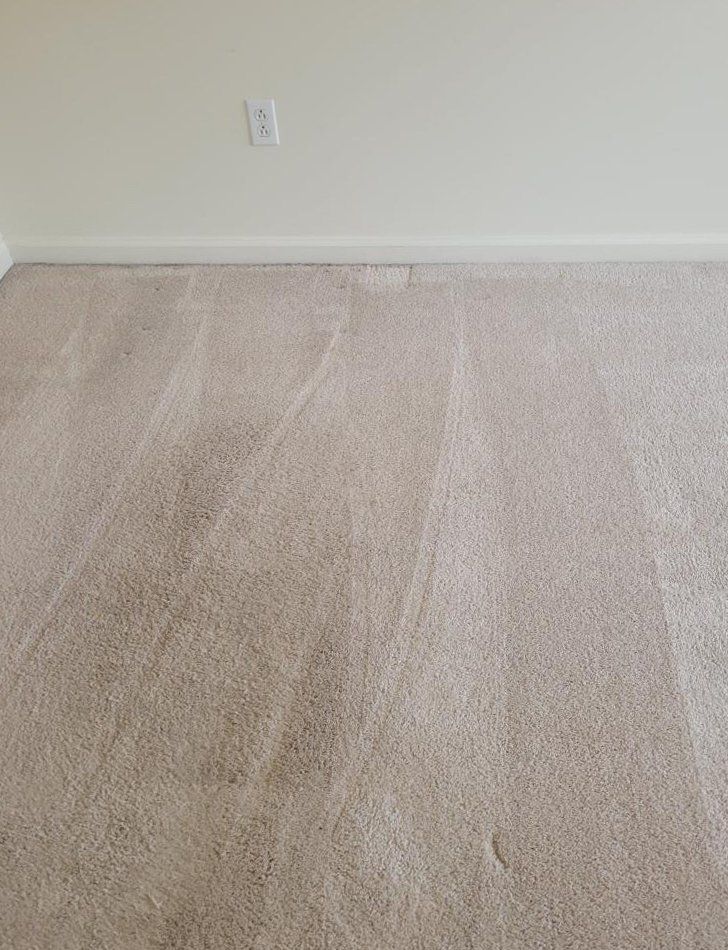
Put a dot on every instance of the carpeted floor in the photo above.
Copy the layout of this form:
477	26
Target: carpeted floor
360	608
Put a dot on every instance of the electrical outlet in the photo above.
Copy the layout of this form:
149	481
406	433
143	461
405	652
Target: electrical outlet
262	121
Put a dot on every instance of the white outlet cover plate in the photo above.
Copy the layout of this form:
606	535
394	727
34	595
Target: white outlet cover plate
262	121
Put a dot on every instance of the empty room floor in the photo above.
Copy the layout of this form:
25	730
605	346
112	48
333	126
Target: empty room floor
364	607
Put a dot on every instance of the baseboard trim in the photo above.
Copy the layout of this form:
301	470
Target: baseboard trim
370	250
6	261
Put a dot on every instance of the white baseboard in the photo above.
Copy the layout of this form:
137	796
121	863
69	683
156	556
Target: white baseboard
6	261
370	250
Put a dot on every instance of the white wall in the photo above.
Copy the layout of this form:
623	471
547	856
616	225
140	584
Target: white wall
6	261
463	122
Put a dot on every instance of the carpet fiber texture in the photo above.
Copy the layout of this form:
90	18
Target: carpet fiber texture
364	607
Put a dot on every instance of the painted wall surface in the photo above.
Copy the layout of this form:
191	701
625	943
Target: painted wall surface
6	261
397	117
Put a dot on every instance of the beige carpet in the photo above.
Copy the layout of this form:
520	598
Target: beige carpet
364	608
